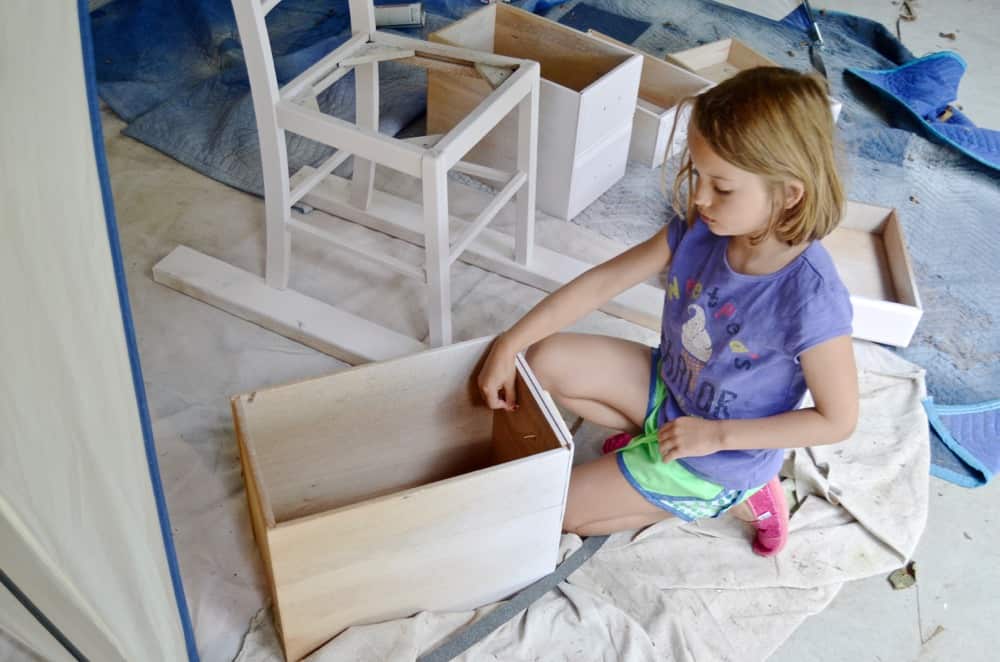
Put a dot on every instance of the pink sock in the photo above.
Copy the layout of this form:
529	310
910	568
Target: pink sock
615	442
771	512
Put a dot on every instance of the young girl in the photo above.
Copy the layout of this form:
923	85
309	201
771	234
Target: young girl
754	313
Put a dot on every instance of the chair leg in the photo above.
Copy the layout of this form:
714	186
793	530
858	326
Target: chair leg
435	199
366	114
527	159
277	210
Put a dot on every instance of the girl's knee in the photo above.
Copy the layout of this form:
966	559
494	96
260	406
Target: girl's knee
545	357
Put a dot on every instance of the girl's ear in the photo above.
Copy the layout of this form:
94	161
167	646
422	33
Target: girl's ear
794	190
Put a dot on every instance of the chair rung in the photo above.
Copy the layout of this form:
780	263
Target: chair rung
482	171
487	215
398	266
318	175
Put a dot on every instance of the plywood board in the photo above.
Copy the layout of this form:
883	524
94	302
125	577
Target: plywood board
388	429
313	323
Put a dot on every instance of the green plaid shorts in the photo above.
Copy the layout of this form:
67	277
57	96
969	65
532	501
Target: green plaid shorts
670	485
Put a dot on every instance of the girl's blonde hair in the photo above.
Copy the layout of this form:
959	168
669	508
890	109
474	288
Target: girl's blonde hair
775	123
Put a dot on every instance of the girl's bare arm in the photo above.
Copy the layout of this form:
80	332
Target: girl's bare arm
587	292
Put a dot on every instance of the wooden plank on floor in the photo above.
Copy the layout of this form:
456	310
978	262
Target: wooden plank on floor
292	314
491	250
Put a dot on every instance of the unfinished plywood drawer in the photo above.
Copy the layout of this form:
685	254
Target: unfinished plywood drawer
724	59
870	254
661	87
587	96
390	488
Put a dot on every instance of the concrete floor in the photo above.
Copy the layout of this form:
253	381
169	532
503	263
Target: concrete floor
958	574
948	614
976	40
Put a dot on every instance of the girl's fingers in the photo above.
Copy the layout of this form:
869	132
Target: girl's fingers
509	394
491	394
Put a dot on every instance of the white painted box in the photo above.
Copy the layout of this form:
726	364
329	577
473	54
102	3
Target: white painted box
661	86
390	488
587	98
723	59
869	251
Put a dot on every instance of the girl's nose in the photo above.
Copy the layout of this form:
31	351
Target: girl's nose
702	196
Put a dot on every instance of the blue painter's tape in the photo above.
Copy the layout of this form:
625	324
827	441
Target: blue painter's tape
87	45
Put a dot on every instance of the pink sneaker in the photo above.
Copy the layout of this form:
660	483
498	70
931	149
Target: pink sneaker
616	442
770	509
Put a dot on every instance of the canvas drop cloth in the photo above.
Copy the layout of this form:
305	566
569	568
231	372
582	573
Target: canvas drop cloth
685	592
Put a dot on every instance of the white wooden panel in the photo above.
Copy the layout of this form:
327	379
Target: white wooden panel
451	545
661	87
558	120
884	321
870	254
598	169
606	102
294	315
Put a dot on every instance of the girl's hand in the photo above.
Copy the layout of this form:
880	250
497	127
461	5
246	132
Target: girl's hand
496	377
689	436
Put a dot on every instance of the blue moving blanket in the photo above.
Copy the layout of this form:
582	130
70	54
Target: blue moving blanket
965	441
923	90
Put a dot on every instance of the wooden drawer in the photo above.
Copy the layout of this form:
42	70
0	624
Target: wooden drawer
661	87
870	253
587	92
724	59
389	488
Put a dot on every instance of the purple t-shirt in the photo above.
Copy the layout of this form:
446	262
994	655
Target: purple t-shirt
731	342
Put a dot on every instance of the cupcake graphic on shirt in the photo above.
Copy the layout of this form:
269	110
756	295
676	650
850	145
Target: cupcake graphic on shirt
696	342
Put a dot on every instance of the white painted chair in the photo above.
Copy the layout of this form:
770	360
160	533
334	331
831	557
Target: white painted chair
269	301
294	108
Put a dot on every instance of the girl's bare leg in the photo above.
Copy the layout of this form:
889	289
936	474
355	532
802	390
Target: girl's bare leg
605	380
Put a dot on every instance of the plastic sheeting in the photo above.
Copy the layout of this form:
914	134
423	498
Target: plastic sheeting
80	531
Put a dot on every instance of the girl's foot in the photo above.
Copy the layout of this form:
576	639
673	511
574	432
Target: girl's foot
770	513
615	442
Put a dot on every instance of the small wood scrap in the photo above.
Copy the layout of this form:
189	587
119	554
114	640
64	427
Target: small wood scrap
905	577
444	64
907	14
946	114
938	630
948	35
495	76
